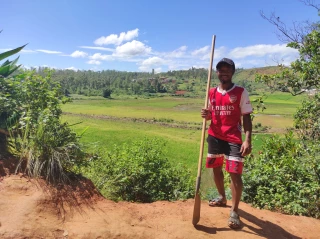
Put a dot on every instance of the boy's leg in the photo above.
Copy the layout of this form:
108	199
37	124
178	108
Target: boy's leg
236	190
219	181
215	161
234	165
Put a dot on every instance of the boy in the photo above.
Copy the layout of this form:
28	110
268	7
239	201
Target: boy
228	103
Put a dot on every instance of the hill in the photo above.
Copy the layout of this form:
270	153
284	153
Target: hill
31	209
191	81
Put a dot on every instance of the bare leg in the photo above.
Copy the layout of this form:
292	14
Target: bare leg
236	189
219	181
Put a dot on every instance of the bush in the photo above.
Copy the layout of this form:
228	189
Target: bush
284	177
307	118
140	173
45	146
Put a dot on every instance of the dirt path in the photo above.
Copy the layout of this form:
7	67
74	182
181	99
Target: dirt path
27	212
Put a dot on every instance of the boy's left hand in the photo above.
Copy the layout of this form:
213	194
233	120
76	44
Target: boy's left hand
245	148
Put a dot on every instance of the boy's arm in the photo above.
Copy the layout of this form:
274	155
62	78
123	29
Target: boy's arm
247	126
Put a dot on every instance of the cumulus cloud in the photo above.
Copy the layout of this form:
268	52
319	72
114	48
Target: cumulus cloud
151	62
99	56
94	62
154	61
72	68
201	51
262	50
49	52
205	53
132	48
77	54
115	39
180	52
158	70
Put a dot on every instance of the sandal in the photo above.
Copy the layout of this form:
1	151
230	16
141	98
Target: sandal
217	202
234	220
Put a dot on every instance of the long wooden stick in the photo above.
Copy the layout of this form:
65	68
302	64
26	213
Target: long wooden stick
197	199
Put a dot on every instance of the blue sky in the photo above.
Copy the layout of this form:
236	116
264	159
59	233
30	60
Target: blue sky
141	35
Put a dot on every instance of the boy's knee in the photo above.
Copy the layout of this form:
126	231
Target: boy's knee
236	178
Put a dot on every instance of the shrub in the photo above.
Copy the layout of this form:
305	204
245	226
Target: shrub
307	118
141	173
284	177
45	146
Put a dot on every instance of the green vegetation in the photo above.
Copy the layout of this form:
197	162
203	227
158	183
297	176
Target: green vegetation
142	131
111	84
101	135
140	172
286	175
8	67
45	146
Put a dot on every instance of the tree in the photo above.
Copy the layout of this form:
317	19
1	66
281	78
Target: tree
106	93
303	74
287	167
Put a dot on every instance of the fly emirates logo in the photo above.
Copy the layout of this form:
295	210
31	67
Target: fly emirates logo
223	109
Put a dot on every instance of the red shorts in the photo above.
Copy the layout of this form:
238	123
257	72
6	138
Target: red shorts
231	166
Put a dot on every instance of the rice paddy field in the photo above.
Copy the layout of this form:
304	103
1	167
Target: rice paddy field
109	122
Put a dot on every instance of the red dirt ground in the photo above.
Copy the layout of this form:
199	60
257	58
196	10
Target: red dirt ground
33	210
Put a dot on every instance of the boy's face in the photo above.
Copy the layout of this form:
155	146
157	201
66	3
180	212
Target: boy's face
225	73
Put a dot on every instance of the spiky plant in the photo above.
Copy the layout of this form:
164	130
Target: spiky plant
8	67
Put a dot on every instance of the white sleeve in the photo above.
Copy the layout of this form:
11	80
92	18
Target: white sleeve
245	104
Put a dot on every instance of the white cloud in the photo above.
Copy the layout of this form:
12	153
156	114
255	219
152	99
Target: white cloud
49	67
78	54
178	53
201	51
114	39
72	68
262	50
99	56
28	51
22	51
97	48
49	52
152	62
94	62
132	48
205	53
158	70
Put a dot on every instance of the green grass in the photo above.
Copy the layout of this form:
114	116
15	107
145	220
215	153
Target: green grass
281	103
182	144
178	109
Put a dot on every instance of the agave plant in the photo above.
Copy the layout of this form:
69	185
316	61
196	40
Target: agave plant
7	103
8	67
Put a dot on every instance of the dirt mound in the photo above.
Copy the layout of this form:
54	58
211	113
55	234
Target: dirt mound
29	209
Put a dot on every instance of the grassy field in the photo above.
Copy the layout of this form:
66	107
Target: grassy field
182	143
278	115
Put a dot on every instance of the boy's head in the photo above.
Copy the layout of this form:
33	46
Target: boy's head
225	70
226	62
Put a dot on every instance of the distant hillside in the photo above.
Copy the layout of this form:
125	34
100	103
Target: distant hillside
191	82
249	74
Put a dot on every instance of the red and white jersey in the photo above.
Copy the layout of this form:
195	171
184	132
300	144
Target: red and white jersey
226	108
